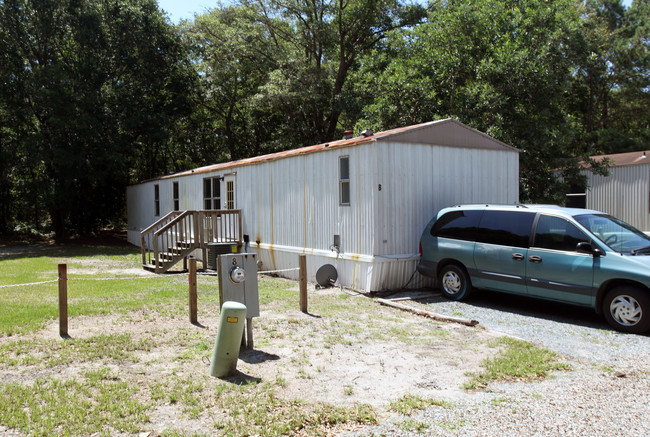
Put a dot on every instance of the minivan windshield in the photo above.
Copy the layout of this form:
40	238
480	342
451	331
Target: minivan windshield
616	234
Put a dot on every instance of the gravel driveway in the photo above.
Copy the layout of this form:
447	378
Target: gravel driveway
606	394
574	332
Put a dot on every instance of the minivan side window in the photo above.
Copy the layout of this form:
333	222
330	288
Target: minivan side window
557	233
507	228
460	225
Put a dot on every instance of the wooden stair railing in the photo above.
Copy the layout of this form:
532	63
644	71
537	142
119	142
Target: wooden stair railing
175	236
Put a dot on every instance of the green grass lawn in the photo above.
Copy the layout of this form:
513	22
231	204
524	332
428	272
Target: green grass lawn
97	285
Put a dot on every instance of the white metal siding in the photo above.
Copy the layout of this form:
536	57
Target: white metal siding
294	203
623	194
419	180
291	206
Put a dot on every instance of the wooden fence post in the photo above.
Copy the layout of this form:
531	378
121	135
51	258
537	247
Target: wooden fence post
63	300
303	282
192	281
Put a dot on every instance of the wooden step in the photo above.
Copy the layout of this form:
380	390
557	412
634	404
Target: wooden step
166	256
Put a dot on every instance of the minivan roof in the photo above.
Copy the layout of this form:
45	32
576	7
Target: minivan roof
527	207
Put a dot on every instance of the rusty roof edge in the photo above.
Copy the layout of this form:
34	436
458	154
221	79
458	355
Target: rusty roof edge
268	157
359	140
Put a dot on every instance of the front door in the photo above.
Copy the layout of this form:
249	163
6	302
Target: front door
554	269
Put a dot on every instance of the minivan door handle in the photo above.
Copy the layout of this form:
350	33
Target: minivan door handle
517	256
535	259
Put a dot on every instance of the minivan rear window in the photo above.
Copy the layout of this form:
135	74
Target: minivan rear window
461	225
507	228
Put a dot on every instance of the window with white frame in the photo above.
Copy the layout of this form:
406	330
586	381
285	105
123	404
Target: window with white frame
156	199
177	203
212	193
344	180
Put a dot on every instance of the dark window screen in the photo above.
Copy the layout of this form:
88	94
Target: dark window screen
156	199
507	228
212	193
344	180
207	194
460	225
176	197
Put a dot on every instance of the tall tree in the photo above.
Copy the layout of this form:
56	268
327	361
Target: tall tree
93	87
501	67
234	56
610	93
322	42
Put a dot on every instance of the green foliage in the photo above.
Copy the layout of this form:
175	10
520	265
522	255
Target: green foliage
317	46
413	426
610	88
50	353
90	90
499	67
234	55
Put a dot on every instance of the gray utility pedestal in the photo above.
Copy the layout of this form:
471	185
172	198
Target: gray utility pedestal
237	273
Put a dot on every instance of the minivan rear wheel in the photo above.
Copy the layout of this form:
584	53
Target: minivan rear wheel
627	309
454	282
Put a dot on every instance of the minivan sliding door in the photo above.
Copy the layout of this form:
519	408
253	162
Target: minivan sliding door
501	250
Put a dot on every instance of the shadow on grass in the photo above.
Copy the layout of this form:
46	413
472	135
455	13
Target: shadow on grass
240	378
106	242
67	250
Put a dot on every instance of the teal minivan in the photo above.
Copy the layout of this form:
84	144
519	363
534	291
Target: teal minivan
577	256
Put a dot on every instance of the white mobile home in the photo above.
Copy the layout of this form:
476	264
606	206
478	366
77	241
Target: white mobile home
624	193
359	204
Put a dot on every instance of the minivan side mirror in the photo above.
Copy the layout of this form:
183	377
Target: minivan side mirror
586	247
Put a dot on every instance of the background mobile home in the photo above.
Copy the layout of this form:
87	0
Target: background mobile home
359	204
624	193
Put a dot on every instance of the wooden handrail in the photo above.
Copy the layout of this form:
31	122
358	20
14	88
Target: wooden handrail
178	233
156	223
172	223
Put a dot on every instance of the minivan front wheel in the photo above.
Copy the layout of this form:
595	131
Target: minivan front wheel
627	308
454	282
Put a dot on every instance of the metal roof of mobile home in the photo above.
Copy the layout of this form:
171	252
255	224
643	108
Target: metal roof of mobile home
446	132
621	159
